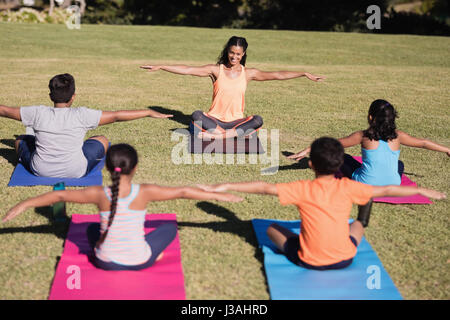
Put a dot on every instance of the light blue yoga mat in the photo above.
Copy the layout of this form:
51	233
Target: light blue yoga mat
364	279
23	177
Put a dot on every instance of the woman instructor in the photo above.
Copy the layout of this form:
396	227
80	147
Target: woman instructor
225	118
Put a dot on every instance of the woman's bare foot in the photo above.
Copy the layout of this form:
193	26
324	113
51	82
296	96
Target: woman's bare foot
205	135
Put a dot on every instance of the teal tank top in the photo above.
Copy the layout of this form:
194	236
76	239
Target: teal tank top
379	166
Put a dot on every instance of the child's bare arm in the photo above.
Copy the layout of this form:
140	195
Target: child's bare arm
87	195
159	193
410	141
258	187
352	140
403	191
10	112
108	117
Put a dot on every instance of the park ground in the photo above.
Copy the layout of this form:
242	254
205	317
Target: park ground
220	255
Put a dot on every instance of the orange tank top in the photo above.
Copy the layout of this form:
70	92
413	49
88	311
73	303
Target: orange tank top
228	97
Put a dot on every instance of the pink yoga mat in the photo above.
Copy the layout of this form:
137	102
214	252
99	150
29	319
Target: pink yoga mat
416	199
77	279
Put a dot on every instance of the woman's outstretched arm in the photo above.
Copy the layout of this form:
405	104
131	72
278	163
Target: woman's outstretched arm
258	75
202	71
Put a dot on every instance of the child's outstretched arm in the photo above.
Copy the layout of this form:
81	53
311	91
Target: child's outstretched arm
352	140
10	112
258	187
159	193
87	195
127	115
403	191
410	141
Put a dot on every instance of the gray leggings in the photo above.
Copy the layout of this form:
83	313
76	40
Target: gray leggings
244	126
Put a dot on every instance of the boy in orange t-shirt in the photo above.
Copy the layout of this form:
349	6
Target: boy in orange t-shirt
326	240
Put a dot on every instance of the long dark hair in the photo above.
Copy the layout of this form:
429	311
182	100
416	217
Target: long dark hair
381	120
120	159
233	41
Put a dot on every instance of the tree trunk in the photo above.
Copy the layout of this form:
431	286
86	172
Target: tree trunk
82	6
52	6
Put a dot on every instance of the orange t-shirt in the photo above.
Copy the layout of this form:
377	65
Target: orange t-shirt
228	97
325	205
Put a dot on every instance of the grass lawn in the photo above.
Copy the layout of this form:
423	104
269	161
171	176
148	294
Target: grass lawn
220	256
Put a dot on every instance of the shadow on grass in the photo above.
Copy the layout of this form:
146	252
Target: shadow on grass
9	154
59	229
302	164
234	225
178	116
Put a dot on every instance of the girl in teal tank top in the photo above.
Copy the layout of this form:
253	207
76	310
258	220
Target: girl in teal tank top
380	166
380	148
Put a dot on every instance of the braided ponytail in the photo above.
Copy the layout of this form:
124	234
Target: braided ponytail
115	178
120	159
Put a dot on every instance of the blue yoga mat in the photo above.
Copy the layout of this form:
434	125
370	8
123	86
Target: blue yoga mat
23	177
364	279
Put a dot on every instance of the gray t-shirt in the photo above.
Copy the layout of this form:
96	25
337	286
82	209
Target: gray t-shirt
60	134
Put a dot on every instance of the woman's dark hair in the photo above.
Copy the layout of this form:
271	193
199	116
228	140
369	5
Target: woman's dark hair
381	121
326	155
62	88
233	41
120	159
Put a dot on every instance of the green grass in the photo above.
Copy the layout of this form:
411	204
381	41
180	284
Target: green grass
219	251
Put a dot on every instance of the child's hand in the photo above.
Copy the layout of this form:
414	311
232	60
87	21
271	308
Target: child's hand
433	194
212	188
150	68
14	212
300	155
313	77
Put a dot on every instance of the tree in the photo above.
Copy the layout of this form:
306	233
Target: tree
67	3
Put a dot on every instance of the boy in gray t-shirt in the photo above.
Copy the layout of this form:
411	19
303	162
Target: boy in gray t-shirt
57	148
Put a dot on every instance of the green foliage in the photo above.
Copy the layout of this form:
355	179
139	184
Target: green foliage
107	12
29	15
318	15
207	13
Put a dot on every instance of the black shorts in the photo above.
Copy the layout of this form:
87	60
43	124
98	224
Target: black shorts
292	246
